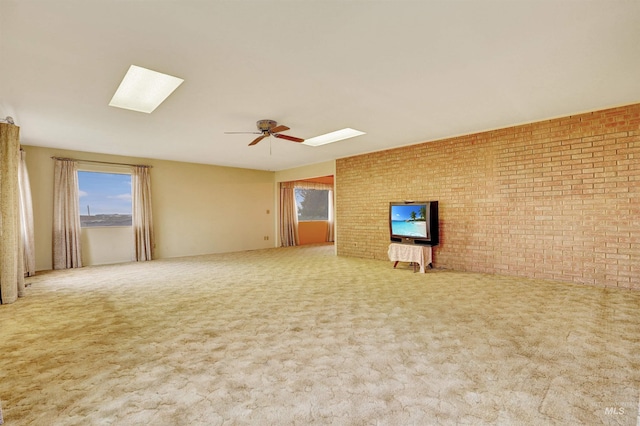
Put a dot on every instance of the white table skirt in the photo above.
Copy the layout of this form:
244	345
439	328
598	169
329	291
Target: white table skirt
410	253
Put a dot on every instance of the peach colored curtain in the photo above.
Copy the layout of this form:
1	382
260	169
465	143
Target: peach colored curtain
26	217
142	217
11	255
288	215
66	216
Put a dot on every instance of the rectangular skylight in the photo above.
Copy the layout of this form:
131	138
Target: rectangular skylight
336	136
143	90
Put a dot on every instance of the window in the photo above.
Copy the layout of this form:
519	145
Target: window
105	199
312	204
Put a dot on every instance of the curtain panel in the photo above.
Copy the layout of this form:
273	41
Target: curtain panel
66	216
11	254
26	217
142	216
313	185
331	220
288	215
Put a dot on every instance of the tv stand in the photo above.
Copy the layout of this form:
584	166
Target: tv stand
416	254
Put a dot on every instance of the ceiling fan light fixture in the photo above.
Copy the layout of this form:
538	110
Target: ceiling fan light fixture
336	136
143	90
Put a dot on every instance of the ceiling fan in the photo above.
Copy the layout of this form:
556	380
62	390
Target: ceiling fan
269	128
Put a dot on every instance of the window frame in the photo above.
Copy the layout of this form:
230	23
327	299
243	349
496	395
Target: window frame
112	169
328	192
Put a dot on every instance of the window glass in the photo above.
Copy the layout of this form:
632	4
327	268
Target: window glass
105	199
313	204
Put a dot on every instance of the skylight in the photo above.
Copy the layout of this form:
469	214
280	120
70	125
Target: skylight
143	90
336	136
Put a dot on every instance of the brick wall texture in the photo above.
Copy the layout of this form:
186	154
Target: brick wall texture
557	199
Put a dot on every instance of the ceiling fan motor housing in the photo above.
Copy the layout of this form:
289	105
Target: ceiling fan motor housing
266	125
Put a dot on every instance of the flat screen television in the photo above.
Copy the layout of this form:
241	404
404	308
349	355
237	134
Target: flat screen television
414	222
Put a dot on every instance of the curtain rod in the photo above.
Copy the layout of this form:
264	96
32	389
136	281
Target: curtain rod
101	162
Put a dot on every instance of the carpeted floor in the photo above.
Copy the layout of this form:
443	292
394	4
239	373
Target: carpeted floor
300	336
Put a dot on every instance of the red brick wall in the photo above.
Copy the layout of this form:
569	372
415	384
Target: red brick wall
557	199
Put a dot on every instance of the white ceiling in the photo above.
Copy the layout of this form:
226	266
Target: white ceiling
404	72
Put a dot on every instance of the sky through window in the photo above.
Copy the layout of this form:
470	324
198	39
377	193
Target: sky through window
104	193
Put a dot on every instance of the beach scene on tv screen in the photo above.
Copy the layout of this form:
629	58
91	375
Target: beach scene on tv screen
409	220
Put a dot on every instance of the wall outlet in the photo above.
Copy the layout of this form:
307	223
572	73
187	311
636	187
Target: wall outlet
266	238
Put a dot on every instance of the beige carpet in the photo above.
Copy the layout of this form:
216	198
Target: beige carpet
300	336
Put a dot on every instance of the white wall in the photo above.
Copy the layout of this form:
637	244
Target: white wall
197	209
211	209
104	245
327	168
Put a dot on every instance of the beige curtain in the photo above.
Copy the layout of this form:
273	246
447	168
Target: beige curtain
26	217
330	220
142	217
288	215
66	216
11	255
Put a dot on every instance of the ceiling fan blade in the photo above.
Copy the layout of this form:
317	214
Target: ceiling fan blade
258	139
242	133
289	138
279	129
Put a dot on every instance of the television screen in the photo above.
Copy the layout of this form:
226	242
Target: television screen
414	222
409	220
